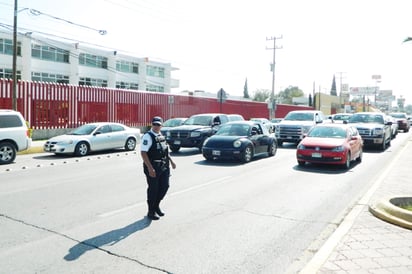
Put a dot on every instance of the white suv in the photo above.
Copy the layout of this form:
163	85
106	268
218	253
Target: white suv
14	135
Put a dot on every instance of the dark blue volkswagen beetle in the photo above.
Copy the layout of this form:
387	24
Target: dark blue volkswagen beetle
240	140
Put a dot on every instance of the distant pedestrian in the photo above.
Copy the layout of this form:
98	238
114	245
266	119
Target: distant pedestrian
156	166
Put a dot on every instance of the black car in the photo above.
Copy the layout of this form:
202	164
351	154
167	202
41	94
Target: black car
374	127
194	131
240	140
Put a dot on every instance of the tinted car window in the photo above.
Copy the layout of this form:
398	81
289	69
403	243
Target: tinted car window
10	121
199	120
117	128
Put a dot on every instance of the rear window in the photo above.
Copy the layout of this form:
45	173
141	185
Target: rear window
7	121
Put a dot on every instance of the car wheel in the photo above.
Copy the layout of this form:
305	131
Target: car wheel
383	145
130	144
82	149
359	159
174	148
272	149
7	153
346	165
247	154
301	163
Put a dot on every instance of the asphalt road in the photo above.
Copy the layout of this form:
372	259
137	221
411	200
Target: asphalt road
86	215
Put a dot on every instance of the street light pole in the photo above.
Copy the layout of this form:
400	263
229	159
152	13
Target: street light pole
14	97
272	100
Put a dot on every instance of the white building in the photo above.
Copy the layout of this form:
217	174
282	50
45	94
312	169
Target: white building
46	60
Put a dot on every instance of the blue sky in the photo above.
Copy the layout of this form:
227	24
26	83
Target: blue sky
218	44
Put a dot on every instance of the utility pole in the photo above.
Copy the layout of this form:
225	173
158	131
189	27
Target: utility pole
272	100
342	103
14	97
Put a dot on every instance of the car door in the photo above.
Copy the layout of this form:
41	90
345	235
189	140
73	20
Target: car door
119	136
355	141
258	139
102	138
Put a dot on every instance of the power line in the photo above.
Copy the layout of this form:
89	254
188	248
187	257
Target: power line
37	13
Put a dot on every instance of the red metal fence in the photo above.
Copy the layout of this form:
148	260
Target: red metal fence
53	105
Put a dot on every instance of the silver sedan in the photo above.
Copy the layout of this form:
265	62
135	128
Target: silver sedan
94	137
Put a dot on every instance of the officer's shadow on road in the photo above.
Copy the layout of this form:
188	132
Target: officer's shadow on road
108	238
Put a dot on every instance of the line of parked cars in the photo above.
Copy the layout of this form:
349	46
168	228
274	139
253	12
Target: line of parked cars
338	139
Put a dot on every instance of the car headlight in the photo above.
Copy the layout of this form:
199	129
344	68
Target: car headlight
195	134
378	131
300	146
237	143
168	134
338	149
66	142
306	129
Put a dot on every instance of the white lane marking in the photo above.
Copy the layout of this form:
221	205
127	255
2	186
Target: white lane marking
126	208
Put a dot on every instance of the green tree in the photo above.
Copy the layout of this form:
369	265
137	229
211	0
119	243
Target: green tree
286	96
261	95
245	90
333	91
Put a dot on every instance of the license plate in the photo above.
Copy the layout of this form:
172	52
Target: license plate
216	152
316	155
176	142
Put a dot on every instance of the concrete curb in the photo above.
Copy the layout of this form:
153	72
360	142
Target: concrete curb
36	147
388	210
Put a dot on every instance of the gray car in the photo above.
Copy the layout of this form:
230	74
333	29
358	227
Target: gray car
94	137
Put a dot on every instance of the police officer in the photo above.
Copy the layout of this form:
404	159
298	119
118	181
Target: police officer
156	167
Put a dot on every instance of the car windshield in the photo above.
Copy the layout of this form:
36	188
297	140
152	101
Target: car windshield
83	130
327	132
341	117
398	115
172	123
199	120
298	116
366	118
233	130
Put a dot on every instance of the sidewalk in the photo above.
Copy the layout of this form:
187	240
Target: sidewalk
364	243
36	147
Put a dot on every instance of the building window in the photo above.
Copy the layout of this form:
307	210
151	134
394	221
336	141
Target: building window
50	53
155	71
86	81
154	88
49	77
8	73
125	66
126	85
6	47
93	60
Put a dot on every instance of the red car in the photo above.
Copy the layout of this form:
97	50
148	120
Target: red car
337	144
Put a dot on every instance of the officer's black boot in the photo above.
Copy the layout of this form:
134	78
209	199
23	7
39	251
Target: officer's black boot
158	211
151	214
